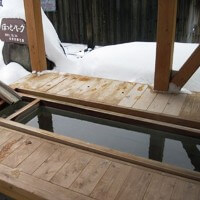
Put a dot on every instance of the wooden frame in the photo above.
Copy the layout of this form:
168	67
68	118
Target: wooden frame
35	35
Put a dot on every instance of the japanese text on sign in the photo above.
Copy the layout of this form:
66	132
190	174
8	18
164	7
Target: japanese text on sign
13	30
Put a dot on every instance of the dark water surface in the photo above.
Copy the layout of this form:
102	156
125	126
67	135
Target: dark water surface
165	147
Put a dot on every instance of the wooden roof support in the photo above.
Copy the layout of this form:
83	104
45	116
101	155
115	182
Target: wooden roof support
35	35
187	70
167	12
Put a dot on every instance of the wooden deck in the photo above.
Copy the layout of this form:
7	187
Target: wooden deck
35	168
134	96
35	164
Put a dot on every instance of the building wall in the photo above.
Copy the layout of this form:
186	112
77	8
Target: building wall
104	22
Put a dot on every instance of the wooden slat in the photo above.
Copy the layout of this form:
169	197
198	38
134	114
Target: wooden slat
117	95
52	84
90	176
161	187
72	169
145	100
135	186
31	164
94	92
159	103
62	85
84	88
133	96
175	104
35	81
26	187
35	35
111	183
112	88
187	70
191	107
26	149
185	191
49	168
13	143
166	27
5	135
69	90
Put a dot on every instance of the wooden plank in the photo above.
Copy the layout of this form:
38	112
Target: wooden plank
72	169
26	187
36	159
35	35
161	187
159	103
119	93
11	145
62	85
80	81
20	154
24	109
35	81
53	83
187	70
175	104
145	100
85	88
109	90
185	191
133	96
5	135
106	151
94	92
49	168
112	181
191	107
135	185
166	26
90	176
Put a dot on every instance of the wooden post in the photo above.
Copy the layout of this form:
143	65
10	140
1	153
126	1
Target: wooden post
35	35
166	26
187	70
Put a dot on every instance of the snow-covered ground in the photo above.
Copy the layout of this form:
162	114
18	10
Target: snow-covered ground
127	62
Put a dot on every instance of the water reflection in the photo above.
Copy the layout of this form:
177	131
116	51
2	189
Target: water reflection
164	147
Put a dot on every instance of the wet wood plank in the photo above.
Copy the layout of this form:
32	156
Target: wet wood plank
133	96
112	181
49	168
35	81
94	92
175	104
191	108
185	191
32	163
69	90
20	154
135	186
159	103
72	169
90	176
5	135
29	187
10	145
161	187
53	83
145	100
117	95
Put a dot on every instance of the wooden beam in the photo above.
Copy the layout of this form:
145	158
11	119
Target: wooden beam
166	26
35	35
187	70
